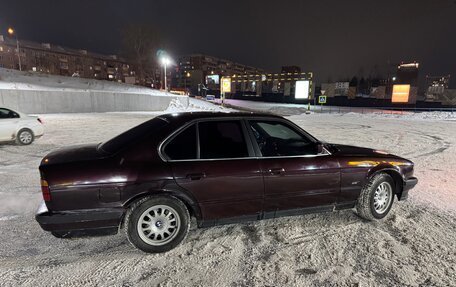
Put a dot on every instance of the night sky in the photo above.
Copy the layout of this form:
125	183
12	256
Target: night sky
334	39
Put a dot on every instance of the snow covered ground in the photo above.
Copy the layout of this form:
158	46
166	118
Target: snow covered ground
414	246
297	109
13	79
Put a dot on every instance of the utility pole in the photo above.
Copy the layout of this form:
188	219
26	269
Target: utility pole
11	32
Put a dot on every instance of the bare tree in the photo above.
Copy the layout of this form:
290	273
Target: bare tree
140	44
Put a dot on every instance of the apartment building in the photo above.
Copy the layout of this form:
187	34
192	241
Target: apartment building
195	70
57	60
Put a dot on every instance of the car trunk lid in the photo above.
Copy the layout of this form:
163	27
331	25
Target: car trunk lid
72	154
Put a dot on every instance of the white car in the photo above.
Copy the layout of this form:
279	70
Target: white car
19	127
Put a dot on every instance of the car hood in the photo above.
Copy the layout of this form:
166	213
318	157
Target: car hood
347	150
73	153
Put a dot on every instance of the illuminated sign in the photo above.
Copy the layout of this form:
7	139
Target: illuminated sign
226	85
401	94
410	65
302	89
212	79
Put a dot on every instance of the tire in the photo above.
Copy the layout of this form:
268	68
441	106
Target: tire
25	137
170	222
376	198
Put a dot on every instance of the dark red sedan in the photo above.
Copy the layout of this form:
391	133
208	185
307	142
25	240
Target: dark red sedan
217	167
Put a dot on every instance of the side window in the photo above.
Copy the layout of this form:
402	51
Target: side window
3	114
222	139
7	114
278	139
182	146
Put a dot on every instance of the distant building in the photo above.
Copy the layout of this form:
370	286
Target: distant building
291	69
438	81
274	87
328	89
448	98
436	87
407	73
341	89
379	92
405	84
338	89
194	71
58	60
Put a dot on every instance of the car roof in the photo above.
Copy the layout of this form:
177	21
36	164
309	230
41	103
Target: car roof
188	116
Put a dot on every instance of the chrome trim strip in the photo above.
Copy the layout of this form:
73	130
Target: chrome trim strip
256	157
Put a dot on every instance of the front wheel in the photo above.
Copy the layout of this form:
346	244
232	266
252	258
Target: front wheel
376	198
157	224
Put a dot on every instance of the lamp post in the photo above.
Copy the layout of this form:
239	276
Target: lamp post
11	32
187	75
165	61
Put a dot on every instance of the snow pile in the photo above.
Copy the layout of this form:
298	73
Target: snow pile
276	108
175	106
451	116
16	80
195	105
288	111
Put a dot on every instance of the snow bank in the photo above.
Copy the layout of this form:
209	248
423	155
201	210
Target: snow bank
16	80
285	109
195	105
41	93
415	116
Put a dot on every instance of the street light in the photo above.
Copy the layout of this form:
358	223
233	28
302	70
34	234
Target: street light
11	32
165	61
187	75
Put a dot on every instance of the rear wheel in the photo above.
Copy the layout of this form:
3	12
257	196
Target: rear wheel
376	198
25	137
157	224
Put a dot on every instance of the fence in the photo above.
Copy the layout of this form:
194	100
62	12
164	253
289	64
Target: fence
380	110
42	102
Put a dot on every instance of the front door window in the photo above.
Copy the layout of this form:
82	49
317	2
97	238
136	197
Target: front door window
278	139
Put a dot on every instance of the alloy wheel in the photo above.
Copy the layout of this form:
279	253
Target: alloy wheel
382	197
158	225
25	137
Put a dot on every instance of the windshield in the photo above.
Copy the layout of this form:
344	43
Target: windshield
133	135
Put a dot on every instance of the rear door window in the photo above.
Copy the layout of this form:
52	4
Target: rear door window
183	146
7	114
222	139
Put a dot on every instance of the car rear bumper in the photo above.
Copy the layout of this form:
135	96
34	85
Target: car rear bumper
408	184
38	131
81	222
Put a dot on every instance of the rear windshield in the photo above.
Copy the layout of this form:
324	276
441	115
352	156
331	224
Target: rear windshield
133	135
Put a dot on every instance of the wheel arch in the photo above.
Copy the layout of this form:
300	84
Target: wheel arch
395	175
21	128
187	200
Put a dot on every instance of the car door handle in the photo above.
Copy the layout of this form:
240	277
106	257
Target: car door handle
276	171
196	176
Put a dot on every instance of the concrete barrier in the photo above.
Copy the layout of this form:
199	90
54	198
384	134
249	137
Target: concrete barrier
44	102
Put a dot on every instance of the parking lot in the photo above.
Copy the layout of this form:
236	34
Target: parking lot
415	245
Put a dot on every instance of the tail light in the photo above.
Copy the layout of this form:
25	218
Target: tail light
45	190
40	121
